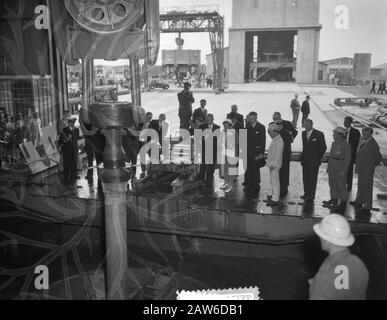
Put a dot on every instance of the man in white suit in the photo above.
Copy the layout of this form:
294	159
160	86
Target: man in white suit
274	163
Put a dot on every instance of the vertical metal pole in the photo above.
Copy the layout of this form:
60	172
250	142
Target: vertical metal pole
84	85
114	179
90	79
136	81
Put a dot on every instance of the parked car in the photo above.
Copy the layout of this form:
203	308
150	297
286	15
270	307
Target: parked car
159	84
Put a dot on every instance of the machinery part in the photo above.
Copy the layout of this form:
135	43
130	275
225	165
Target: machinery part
383	111
111	118
380	118
361	102
79	34
105	16
115	115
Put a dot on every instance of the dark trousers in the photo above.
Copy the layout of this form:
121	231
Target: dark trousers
310	176
365	189
131	148
350	177
206	173
373	90
94	146
69	164
185	116
252	175
284	177
89	151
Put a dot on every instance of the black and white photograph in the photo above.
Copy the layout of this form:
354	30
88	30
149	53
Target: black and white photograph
183	150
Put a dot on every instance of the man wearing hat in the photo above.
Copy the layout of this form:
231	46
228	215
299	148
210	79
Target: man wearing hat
186	100
274	162
338	164
342	276
69	141
305	109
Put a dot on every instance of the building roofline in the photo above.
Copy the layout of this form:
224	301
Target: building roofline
380	66
329	60
287	28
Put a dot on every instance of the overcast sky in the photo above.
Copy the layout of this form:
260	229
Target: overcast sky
367	32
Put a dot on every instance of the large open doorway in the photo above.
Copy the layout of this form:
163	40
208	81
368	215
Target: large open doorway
270	56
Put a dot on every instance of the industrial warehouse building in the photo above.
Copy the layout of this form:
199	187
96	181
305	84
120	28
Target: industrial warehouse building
274	41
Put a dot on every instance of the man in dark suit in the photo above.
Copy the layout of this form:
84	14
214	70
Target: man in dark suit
206	173
288	134
373	87
186	100
69	141
236	125
305	109
256	145
234	114
368	158
353	137
201	113
380	88
314	147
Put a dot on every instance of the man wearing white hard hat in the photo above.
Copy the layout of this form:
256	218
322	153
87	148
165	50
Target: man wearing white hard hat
342	276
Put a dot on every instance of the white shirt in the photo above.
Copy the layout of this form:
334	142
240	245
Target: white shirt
274	157
308	134
146	125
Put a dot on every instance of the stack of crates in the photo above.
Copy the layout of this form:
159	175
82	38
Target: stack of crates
26	94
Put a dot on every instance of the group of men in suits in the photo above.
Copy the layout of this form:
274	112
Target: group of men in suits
349	149
381	89
132	144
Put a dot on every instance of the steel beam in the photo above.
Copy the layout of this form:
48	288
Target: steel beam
211	22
